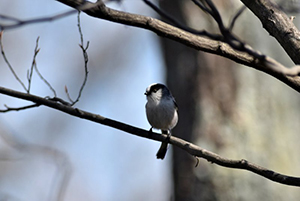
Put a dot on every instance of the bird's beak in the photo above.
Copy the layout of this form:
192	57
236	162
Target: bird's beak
146	93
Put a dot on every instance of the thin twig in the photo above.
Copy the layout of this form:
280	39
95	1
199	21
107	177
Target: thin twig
181	26
85	6
227	36
86	59
202	6
34	64
44	80
79	28
68	95
216	15
9	18
85	56
30	73
236	16
9	109
18	23
8	63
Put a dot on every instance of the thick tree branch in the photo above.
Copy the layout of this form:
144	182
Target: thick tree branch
273	19
194	41
289	36
189	147
165	15
278	25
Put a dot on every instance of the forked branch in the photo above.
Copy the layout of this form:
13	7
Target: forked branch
238	52
229	38
83	48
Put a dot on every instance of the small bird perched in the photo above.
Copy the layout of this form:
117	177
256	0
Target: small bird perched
161	110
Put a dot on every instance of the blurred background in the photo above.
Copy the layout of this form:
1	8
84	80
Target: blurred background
232	110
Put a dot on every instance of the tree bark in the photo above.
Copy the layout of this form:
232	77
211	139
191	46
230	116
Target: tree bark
183	71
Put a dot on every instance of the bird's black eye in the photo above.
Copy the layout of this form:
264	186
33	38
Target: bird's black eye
155	90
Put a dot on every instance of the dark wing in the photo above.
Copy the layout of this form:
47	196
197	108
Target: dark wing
176	106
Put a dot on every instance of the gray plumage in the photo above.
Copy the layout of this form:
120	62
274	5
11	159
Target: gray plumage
161	111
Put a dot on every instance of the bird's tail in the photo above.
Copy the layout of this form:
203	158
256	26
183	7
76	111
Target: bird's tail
164	146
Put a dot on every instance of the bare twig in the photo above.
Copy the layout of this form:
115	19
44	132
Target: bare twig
8	63
79	29
85	56
9	18
203	7
34	65
229	38
187	146
86	59
68	94
18	23
181	26
216	15
44	80
30	73
236	16
9	109
237	44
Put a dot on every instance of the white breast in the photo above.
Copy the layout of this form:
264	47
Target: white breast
161	114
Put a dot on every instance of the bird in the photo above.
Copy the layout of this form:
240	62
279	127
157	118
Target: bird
161	112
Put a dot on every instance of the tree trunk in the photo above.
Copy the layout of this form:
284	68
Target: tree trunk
184	67
233	111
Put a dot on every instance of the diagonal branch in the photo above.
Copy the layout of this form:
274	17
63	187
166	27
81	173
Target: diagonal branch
181	26
236	16
289	77
18	23
8	63
278	25
187	146
186	38
9	109
284	31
